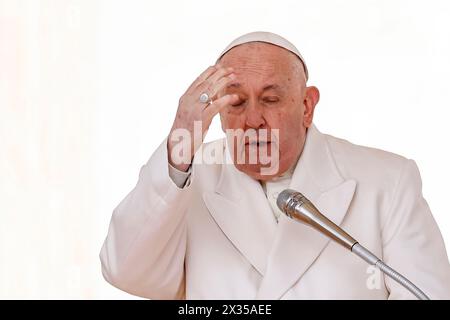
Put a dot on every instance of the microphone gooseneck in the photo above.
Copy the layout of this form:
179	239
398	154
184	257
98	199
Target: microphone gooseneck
298	207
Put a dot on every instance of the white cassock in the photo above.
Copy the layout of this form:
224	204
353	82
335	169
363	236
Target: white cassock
217	237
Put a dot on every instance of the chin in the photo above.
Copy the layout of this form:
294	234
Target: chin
256	171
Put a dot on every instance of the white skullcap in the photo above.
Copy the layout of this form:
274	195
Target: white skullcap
268	37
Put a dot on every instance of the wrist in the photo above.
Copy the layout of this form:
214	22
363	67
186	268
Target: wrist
179	162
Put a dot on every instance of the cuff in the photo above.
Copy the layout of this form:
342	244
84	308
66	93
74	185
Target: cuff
180	178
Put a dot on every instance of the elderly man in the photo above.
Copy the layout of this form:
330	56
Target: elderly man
212	230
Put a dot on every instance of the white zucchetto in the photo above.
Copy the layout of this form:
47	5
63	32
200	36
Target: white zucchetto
268	37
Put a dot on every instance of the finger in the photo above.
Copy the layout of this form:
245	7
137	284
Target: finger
221	84
216	76
222	72
219	104
203	76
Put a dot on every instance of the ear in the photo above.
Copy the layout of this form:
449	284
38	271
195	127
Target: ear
312	96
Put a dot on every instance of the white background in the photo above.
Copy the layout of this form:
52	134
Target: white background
88	90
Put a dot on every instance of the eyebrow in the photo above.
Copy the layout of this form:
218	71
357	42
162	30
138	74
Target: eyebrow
271	87
234	85
268	87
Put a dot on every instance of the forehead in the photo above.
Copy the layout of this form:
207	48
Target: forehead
258	58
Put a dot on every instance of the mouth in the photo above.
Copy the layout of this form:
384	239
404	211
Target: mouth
258	143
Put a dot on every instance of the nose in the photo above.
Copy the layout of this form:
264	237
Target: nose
254	117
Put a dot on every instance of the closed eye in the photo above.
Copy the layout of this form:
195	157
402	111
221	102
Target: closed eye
239	103
271	99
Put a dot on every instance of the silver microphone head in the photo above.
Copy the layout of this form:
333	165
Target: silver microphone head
296	206
285	197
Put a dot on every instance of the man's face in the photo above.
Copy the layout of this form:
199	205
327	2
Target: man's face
270	82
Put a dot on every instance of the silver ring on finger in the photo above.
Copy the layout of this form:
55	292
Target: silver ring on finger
204	98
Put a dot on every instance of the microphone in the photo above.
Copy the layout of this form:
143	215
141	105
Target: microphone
296	206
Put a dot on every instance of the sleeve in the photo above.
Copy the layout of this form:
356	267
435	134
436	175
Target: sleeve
180	178
144	251
412	242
